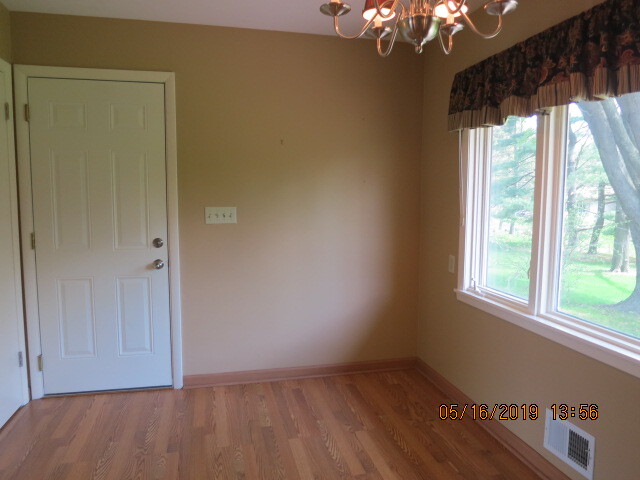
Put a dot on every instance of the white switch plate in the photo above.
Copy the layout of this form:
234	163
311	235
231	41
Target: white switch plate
214	215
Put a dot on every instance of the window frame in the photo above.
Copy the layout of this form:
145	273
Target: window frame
538	314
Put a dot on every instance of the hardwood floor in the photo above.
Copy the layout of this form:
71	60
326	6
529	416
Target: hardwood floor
369	426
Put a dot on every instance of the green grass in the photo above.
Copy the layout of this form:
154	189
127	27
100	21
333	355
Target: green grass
508	269
588	290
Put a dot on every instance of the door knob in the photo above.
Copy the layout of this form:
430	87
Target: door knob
158	264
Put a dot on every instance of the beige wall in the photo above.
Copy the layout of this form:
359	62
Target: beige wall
487	358
317	143
5	34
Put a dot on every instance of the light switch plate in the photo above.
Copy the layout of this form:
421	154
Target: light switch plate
214	215
452	264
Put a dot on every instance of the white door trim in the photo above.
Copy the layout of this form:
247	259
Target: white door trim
21	76
5	69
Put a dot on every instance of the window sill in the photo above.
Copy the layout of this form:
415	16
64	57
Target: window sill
615	355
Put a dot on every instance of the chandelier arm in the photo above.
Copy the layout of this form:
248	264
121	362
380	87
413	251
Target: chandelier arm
469	22
392	42
455	10
381	5
445	49
351	37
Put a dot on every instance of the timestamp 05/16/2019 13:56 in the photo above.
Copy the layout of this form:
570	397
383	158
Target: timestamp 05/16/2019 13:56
513	411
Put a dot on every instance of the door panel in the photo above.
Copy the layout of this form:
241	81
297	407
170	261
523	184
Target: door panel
11	374
131	202
70	199
134	316
99	199
76	317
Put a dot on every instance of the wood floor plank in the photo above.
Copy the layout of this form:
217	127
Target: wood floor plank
398	422
379	460
82	435
277	423
274	395
334	428
369	426
302	460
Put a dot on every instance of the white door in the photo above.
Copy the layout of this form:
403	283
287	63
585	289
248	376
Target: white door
99	202
12	387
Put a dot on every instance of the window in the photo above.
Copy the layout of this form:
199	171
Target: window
509	236
551	230
598	263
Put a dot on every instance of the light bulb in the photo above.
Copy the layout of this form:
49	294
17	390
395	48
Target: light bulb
442	12
370	10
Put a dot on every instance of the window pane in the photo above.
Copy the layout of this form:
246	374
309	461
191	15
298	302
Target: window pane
601	218
513	159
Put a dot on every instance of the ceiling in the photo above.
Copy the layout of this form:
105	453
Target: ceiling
300	16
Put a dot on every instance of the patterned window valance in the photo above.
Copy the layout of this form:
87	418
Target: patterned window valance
593	55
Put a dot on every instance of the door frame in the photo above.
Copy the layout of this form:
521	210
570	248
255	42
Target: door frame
5	70
21	75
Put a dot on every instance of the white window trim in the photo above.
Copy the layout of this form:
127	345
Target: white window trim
537	315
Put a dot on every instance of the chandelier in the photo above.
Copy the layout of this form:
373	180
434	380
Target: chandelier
418	23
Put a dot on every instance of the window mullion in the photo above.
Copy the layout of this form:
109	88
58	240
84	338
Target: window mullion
549	237
536	287
480	163
473	142
483	215
467	162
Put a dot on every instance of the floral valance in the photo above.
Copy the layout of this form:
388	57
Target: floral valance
593	55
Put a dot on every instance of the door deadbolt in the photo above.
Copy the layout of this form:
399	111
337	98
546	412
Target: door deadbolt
157	242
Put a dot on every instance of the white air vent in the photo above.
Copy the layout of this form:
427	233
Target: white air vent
571	444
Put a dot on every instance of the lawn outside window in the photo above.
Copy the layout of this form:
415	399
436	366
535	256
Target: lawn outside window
550	230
